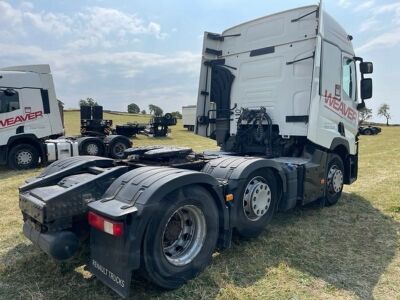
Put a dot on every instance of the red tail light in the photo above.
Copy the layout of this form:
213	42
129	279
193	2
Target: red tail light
103	224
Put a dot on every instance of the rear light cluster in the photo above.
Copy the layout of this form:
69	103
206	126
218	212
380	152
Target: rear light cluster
103	224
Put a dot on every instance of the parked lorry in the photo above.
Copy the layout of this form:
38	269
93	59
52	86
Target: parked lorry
279	95
31	122
189	117
369	130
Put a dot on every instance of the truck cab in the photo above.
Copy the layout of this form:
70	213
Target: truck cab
278	84
31	122
29	112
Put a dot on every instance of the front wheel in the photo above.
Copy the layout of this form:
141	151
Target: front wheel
22	157
181	237
257	203
334	180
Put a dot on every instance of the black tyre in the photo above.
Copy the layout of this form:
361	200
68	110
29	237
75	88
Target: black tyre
168	116
117	148
22	157
259	196
181	237
334	180
367	132
92	148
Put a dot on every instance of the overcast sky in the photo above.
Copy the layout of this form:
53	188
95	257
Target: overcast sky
120	52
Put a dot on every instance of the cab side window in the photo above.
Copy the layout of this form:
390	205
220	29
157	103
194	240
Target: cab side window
9	100
349	78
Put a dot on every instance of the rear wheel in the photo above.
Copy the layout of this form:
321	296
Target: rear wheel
23	156
93	148
334	180
118	147
181	238
257	204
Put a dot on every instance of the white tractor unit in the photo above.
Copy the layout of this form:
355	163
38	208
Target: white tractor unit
31	122
279	94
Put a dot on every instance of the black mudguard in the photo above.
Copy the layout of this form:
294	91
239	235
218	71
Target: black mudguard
134	198
109	140
236	169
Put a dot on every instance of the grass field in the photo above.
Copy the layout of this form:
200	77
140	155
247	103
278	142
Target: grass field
348	251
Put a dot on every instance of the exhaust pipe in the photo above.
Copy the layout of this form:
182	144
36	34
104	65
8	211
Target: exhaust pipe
60	245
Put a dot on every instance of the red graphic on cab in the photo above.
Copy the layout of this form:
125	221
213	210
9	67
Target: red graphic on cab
339	107
20	119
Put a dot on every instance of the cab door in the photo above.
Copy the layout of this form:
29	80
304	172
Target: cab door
334	108
10	109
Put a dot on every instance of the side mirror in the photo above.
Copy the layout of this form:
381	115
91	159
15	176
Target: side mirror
366	67
366	88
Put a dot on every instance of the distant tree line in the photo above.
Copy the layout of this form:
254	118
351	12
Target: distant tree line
88	102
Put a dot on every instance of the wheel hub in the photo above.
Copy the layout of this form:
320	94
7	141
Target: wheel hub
257	198
92	149
335	179
119	149
24	157
184	235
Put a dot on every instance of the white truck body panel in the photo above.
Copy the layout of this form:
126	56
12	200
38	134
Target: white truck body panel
265	80
40	69
189	115
295	75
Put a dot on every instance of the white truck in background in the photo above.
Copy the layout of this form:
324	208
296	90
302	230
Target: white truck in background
280	96
189	117
31	122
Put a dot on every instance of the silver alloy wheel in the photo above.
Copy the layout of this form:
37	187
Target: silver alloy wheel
184	235
119	149
257	198
335	179
92	149
24	157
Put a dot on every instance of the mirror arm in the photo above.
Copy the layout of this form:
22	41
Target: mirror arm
357	58
361	106
361	60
